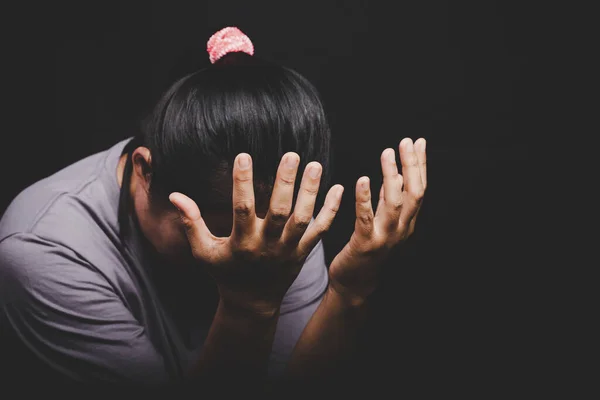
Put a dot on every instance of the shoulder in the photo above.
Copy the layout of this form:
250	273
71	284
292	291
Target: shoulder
75	210
34	266
75	189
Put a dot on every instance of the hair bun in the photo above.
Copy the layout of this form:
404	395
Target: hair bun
228	40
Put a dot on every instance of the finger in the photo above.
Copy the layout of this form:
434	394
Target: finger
413	185
305	204
196	230
244	214
420	147
392	183
283	194
380	202
364	209
323	221
413	221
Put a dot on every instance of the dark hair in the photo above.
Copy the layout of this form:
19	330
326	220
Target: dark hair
239	104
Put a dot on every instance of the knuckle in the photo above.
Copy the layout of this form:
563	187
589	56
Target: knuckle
418	194
365	218
395	205
243	209
311	190
187	223
287	180
279	216
365	198
334	208
242	178
301	221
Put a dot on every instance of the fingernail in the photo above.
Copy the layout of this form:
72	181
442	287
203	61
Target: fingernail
364	185
290	161
409	146
423	145
339	193
391	156
244	161
314	172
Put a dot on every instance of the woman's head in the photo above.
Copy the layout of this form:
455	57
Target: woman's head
239	104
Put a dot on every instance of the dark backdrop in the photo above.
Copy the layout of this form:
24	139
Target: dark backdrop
453	301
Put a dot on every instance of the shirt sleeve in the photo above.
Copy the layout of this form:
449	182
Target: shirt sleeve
298	306
68	315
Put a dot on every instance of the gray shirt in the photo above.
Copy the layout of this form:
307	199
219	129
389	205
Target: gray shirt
92	305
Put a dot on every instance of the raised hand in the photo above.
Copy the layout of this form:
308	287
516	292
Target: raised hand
354	271
258	262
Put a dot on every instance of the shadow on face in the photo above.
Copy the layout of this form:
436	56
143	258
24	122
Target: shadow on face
220	222
165	231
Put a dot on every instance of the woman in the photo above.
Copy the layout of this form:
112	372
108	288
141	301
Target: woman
148	263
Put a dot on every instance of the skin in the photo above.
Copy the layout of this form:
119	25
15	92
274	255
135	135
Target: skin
255	255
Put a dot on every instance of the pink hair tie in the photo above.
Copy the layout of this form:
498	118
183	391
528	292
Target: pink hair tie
228	40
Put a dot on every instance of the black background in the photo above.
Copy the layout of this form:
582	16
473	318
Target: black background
457	300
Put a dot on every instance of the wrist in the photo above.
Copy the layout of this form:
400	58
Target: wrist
260	311
344	297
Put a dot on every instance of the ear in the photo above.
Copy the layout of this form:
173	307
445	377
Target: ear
142	164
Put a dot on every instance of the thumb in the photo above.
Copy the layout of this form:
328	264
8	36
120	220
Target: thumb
196	230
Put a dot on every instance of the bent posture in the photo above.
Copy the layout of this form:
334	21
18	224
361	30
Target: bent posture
192	249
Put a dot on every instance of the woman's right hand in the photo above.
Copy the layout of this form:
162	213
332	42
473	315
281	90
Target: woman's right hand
255	266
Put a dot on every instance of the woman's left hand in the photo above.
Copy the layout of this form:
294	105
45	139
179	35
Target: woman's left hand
354	271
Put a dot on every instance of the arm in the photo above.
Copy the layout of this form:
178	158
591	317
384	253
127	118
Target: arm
328	338
68	318
331	332
298	306
60	320
255	266
238	345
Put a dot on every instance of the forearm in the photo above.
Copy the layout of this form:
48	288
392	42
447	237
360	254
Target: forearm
329	336
238	345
